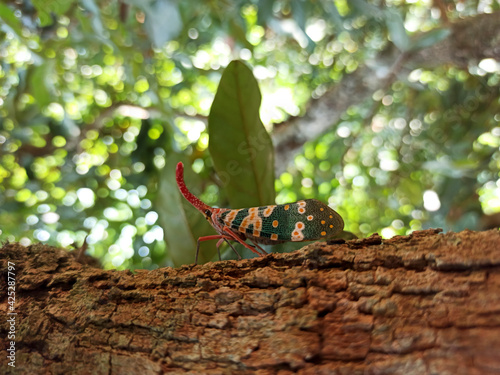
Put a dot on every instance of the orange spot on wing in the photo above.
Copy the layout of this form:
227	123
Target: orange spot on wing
275	223
274	236
268	211
256	233
287	206
322	222
321	209
310	217
323	233
300	225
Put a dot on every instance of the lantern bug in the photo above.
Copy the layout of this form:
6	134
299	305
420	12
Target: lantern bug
305	220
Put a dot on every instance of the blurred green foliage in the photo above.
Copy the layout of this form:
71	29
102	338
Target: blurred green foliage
96	98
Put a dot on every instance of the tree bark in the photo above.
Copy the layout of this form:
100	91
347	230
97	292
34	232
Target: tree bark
469	41
427	303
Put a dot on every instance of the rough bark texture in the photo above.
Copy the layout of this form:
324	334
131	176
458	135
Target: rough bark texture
469	41
427	303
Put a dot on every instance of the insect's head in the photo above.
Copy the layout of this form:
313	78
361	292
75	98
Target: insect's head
208	214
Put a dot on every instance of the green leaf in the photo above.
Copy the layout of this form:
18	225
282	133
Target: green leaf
9	20
331	10
46	7
264	11
182	224
430	38
237	29
300	11
163	19
362	7
239	144
92	7
41	83
397	31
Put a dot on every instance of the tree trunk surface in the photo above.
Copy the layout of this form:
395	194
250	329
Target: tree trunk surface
427	303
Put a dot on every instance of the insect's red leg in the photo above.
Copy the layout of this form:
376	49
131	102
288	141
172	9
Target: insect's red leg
229	243
206	238
237	239
260	248
218	245
220	237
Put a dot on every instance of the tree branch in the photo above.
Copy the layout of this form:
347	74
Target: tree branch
428	301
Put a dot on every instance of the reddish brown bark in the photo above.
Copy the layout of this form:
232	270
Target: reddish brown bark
424	303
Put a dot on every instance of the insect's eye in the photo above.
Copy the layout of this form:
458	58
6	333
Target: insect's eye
208	213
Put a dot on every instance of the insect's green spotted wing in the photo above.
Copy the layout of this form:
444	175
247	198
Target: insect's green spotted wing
304	220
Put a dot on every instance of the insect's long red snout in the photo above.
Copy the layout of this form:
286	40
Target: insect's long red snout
179	176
